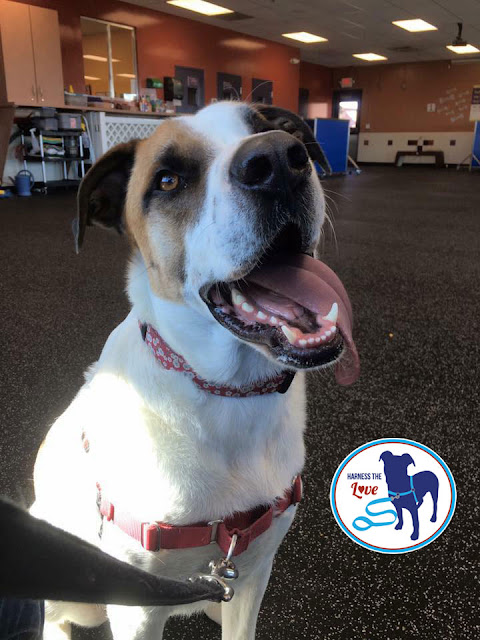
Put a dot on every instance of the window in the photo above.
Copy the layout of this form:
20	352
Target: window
109	61
348	110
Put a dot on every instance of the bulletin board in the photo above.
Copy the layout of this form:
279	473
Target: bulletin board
333	136
475	106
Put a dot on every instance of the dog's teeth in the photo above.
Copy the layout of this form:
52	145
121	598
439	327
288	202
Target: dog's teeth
302	343
317	340
323	338
332	315
273	320
328	333
237	297
333	329
247	307
311	340
291	337
261	315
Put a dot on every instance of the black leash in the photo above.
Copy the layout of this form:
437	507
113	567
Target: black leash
41	562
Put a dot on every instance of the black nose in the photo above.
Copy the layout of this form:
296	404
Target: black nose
270	162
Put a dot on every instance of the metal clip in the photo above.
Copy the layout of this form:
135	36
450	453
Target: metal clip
225	567
221	570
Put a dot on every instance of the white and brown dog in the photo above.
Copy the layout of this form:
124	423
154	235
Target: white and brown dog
186	416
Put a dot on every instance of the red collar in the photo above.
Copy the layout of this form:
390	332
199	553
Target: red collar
171	360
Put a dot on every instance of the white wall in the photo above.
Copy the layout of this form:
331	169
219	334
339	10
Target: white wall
378	149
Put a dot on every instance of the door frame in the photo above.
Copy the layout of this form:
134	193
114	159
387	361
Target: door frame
185	88
339	95
232	77
257	82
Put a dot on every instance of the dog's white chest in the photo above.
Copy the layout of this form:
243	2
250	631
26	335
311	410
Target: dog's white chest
187	462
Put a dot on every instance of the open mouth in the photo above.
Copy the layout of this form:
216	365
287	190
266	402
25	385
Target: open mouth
293	305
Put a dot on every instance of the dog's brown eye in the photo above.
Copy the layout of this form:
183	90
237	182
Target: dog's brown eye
168	181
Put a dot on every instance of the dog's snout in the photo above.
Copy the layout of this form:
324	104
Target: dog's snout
270	162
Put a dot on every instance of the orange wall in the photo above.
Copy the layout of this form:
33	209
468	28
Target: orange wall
165	40
395	96
318	80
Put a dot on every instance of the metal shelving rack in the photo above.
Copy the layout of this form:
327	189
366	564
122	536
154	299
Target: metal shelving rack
65	160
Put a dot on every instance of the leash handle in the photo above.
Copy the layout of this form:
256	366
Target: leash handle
370	523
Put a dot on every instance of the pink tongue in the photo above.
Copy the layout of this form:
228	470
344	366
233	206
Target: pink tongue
310	283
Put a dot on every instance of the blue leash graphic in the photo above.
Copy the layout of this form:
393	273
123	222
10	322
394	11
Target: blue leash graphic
392	496
373	514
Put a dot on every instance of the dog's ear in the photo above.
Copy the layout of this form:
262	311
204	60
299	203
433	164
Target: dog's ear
101	195
386	455
292	123
407	458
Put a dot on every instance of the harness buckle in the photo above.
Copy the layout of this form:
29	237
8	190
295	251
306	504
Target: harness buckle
214	524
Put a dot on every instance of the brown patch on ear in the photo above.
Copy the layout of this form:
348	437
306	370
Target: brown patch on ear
102	192
297	127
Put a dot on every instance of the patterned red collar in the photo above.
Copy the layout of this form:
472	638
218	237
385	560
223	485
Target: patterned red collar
171	360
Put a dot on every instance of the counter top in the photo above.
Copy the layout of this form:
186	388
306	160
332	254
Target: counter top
115	112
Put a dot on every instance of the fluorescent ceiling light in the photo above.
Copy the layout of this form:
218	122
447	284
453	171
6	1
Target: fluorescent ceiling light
91	78
414	25
199	6
126	75
89	56
304	36
463	48
369	57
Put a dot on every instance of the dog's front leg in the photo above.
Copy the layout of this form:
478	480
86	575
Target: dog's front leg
239	617
137	623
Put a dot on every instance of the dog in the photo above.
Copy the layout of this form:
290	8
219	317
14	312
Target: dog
407	492
192	414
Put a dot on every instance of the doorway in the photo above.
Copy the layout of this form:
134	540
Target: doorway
262	91
347	105
193	89
303	99
229	86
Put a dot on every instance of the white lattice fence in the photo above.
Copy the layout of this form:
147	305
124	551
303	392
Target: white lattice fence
108	130
125	129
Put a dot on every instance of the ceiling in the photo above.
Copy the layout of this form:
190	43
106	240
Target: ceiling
351	26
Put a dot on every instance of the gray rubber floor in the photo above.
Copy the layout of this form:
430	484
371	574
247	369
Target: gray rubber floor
408	251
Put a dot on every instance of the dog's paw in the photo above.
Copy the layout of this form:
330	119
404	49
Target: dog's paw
414	536
433	519
399	525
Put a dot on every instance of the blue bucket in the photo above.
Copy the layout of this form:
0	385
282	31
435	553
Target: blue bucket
24	181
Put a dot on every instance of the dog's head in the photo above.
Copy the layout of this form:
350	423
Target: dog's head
396	465
225	207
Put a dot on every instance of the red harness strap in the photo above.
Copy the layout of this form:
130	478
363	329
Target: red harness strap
246	526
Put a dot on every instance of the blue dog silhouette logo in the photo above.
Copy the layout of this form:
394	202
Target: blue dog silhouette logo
409	479
404	491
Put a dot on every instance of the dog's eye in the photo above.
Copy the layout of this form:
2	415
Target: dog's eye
168	181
